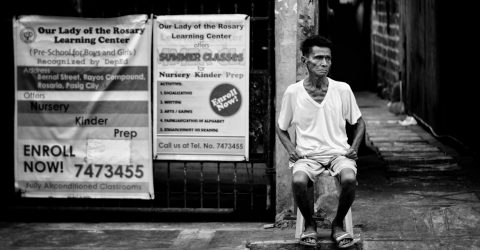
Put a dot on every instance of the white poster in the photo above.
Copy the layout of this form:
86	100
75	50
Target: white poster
82	107
201	87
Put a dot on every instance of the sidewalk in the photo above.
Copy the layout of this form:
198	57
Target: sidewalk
426	201
408	197
412	193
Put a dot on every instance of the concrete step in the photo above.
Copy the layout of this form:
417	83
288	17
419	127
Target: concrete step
325	242
425	180
390	132
424	169
408	149
414	159
403	144
407	155
376	139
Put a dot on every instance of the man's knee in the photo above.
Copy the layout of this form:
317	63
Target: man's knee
348	179
300	179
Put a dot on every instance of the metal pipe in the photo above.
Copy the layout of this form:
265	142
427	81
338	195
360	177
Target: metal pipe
251	186
235	186
184	185
218	185
168	184
202	180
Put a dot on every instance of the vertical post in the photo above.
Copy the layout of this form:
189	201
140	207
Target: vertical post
202	180
270	126
294	20
218	184
184	184
235	186
168	184
285	71
251	179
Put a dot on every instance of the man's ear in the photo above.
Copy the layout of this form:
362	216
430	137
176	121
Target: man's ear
303	58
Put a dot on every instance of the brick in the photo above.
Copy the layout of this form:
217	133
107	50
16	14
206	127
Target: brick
393	41
381	40
380	50
394	65
393	7
379	5
381	29
381	58
379	13
394	18
392	53
382	18
388	74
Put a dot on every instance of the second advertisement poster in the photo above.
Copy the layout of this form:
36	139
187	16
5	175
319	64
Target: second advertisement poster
201	87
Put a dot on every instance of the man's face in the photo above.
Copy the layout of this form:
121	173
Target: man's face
318	61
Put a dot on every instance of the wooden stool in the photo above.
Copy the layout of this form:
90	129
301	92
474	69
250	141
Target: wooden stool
326	192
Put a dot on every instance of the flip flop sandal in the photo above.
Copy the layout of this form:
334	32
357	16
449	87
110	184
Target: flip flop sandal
309	239
348	244
344	239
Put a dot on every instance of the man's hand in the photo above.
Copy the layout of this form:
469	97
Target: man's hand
294	156
352	154
358	136
284	137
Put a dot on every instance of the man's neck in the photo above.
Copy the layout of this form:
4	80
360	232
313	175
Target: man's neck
319	82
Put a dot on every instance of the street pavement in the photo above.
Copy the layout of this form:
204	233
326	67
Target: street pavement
397	205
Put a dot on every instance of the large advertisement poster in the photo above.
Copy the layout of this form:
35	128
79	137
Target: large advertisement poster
201	87
82	126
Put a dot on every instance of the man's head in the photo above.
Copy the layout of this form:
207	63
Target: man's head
317	55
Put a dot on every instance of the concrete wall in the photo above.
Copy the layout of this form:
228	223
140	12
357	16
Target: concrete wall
386	44
294	20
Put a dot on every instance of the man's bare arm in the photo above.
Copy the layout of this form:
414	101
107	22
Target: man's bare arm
358	134
287	143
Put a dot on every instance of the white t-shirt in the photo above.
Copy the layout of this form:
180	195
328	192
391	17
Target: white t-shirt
319	127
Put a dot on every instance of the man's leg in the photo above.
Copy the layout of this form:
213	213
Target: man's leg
348	182
303	193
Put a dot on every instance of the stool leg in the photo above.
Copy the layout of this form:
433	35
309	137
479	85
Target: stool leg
300	223
348	222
